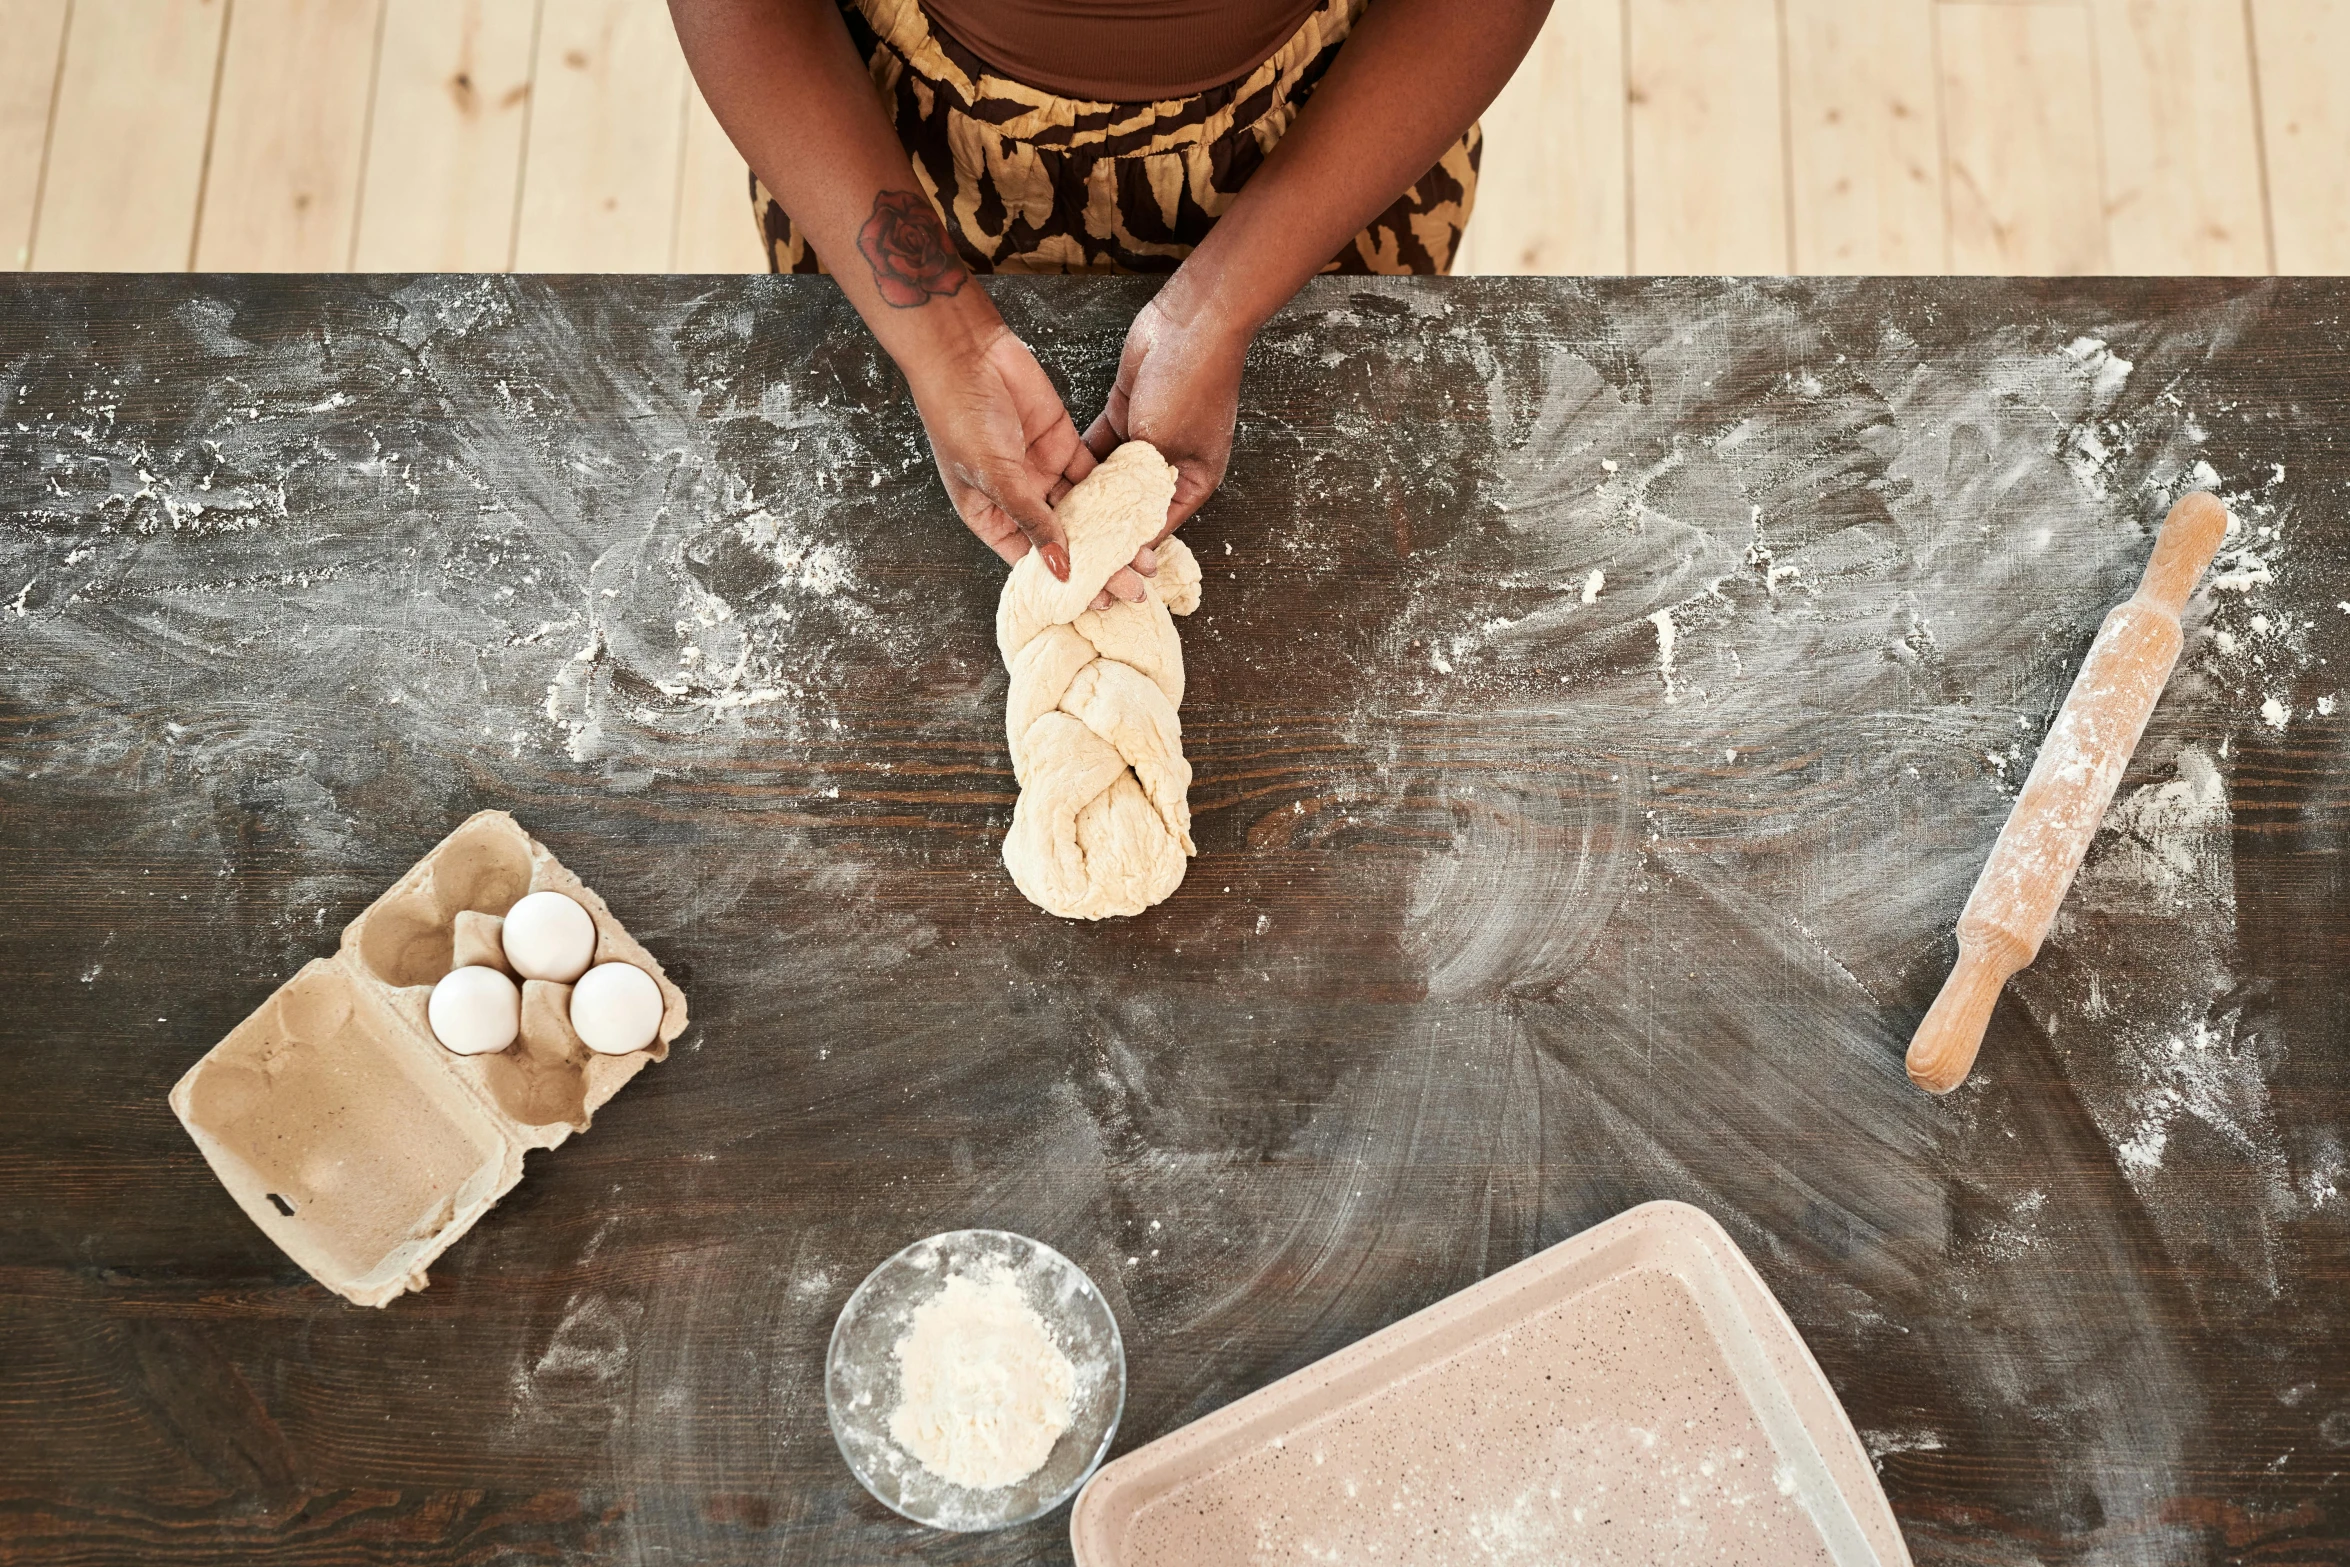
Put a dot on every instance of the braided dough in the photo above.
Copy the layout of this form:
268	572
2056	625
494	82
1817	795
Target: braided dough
1103	825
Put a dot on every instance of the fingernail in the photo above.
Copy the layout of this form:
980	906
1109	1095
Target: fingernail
1147	562
1056	561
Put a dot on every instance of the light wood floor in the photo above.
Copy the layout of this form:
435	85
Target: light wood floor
2018	136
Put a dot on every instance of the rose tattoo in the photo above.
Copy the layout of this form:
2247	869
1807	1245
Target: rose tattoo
907	248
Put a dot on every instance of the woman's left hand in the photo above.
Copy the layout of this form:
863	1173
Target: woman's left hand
1178	388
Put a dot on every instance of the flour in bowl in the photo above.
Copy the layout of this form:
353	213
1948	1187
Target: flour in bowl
983	1389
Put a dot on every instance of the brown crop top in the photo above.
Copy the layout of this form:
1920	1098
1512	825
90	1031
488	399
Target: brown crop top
1121	51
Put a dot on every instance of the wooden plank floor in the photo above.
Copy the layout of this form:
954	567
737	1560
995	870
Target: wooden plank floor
2019	136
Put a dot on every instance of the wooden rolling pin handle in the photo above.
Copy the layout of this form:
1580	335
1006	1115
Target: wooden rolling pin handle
1942	1051
2189	538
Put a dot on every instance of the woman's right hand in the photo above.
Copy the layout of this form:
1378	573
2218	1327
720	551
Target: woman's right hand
791	88
1005	445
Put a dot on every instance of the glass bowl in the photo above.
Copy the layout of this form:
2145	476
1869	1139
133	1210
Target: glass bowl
861	1377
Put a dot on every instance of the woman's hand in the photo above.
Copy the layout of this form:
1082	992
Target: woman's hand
1413	75
1178	388
1005	446
792	90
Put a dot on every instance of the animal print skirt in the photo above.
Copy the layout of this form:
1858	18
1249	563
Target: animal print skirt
1029	182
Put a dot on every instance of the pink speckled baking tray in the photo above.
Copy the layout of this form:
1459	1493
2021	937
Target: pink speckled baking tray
1633	1394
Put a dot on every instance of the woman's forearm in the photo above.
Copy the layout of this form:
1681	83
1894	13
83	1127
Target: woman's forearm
1412	76
784	80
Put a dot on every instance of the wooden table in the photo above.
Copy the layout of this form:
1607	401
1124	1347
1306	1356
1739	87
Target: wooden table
1604	697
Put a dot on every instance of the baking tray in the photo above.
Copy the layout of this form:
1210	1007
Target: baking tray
1633	1394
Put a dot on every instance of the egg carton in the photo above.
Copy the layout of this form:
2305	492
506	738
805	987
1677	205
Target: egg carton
358	1143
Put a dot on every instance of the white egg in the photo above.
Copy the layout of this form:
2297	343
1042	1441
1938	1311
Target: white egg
475	1010
616	1009
548	936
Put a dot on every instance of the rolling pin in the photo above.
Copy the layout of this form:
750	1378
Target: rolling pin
2063	801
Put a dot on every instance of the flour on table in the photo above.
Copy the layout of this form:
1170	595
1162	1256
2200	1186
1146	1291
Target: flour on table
984	1390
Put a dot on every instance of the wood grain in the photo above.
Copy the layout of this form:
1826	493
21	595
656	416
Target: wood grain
128	139
1470	959
1865	130
600	182
452	110
1709	186
2180	138
1551	191
2301	45
716	229
2019	103
289	143
35	30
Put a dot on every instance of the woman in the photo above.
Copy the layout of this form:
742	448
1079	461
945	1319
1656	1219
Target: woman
1243	145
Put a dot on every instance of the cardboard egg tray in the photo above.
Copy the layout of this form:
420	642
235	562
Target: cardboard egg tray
350	1135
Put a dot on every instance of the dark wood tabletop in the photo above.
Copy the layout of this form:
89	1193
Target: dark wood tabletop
1604	697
